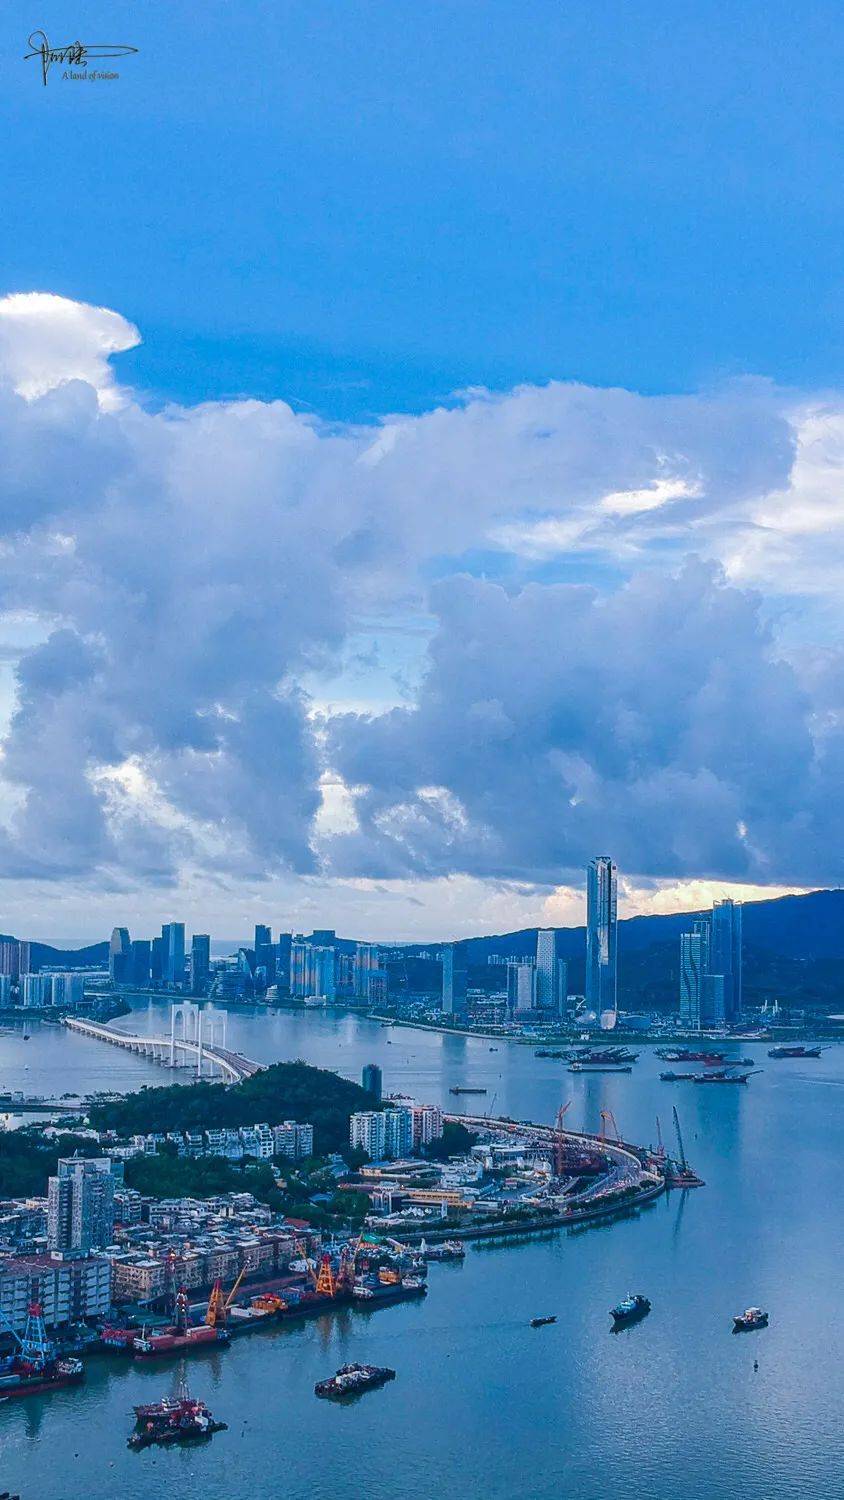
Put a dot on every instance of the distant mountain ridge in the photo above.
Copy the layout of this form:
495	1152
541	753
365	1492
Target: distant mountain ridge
810	926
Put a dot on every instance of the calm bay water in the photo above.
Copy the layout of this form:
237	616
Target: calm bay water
484	1405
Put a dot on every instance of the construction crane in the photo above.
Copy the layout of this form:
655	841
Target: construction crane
683	1163
32	1346
303	1255
560	1140
325	1282
660	1144
218	1304
608	1119
346	1273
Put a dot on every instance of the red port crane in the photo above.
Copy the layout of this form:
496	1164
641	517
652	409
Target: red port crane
608	1119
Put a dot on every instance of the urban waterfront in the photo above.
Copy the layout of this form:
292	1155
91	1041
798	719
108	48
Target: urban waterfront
483	1404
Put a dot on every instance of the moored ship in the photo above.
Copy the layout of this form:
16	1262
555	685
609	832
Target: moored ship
33	1366
179	1341
373	1291
448	1250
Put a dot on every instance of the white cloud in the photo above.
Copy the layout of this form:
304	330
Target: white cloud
46	340
198	577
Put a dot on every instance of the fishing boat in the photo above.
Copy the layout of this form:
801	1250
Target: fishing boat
541	1322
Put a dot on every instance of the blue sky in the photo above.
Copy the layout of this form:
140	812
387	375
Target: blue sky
363	207
511	527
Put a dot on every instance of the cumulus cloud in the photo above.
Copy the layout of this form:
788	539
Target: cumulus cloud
195	573
46	341
655	721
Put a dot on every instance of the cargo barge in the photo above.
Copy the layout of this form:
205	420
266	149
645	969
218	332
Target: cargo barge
352	1380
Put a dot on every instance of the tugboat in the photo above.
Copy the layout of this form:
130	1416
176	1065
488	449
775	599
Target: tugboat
541	1322
752	1317
629	1310
174	1419
352	1380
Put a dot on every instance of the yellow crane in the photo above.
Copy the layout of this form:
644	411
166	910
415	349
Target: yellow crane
219	1304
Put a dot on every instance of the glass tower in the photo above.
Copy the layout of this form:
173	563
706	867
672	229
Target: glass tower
602	940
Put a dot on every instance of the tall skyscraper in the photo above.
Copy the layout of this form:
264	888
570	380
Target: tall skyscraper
726	955
200	962
366	962
139	962
120	956
602	940
694	966
157	960
264	956
173	952
521	986
282	962
80	1204
551	973
312	971
371	1080
455	980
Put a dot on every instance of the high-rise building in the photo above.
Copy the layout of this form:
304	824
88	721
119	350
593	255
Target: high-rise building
157	960
80	1204
119	955
725	955
371	1079
140	963
312	971
551	973
10	957
367	1132
367	961
5	989
200	962
293	1140
427	1124
602	940
282	962
36	989
398	1133
265	956
67	990
694	966
455	980
521	986
173	953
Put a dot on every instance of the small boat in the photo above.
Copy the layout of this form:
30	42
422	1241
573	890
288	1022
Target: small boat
629	1310
462	1090
752	1317
541	1322
351	1380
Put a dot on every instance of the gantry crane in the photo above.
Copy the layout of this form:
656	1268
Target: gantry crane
219	1304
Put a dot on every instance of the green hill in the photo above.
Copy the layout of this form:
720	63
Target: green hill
284	1091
